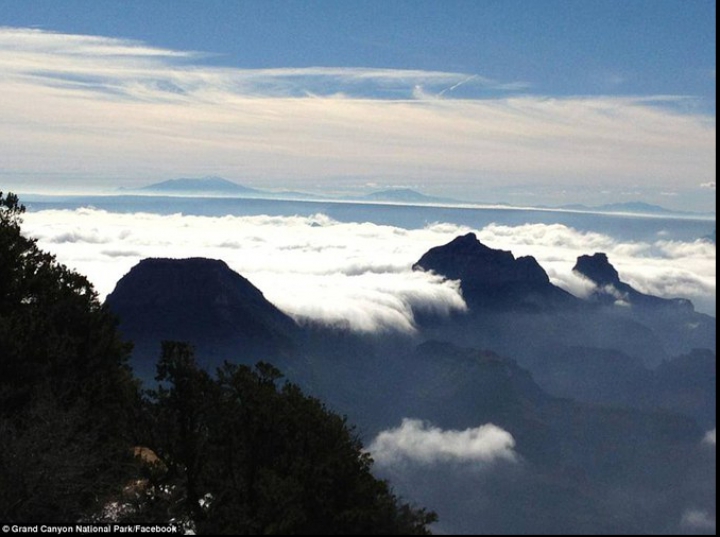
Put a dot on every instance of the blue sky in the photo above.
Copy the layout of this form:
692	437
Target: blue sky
520	101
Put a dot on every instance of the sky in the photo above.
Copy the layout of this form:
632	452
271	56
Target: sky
527	102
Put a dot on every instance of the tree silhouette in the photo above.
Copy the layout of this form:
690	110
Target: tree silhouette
241	452
248	455
65	389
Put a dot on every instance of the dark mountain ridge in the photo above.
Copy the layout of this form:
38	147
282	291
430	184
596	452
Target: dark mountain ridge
568	378
494	278
203	302
610	288
674	321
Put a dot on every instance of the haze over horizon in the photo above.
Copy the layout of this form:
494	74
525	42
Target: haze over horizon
521	102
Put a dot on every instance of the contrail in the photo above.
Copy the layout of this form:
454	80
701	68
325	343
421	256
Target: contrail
451	88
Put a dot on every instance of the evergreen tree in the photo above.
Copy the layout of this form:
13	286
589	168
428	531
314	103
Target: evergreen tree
66	392
248	455
242	453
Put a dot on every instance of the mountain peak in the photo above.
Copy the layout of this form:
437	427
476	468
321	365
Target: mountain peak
403	195
469	240
467	259
490	277
196	279
201	301
597	268
202	185
612	290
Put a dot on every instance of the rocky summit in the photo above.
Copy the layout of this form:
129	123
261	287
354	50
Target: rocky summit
610	288
493	278
597	268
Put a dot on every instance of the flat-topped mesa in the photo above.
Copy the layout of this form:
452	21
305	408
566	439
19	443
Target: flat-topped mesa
490	277
198	281
201	301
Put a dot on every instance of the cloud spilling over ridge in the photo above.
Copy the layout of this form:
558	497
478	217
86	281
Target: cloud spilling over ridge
355	274
90	106
423	443
669	269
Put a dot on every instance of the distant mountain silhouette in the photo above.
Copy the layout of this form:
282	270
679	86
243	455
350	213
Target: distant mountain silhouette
633	207
482	385
204	185
217	186
624	207
201	301
404	195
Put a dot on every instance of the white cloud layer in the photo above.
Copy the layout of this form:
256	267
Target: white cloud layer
668	269
80	107
420	442
710	438
355	274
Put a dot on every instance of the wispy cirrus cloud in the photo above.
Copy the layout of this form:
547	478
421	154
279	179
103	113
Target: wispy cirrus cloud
28	40
94	109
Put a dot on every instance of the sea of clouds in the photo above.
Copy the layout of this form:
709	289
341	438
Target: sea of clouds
357	274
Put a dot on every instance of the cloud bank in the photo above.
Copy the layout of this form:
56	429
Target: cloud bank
422	443
89	108
355	274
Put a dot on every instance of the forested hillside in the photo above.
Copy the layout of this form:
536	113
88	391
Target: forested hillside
236	452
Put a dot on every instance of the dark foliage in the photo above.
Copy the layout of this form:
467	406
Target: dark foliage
238	453
246	455
65	391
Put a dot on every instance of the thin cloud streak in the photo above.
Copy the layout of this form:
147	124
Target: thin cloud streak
93	106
